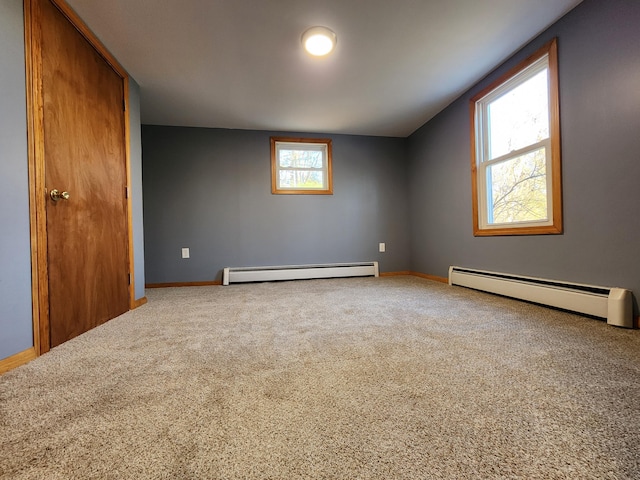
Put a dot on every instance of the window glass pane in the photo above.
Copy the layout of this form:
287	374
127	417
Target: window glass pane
300	158
518	189
519	117
301	179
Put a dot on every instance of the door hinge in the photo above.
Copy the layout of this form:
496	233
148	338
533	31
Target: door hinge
126	192
124	105
128	279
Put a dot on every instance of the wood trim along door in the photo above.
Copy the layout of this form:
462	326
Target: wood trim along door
39	201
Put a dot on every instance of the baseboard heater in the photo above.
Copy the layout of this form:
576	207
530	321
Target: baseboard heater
614	304
298	272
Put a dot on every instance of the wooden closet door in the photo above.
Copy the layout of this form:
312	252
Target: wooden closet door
84	151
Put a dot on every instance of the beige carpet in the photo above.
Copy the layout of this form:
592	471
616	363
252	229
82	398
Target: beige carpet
390	378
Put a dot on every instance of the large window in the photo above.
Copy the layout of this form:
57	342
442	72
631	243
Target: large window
301	166
515	163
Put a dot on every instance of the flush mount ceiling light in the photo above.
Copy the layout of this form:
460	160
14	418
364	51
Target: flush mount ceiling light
319	41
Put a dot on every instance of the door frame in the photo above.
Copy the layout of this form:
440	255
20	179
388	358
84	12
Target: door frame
36	161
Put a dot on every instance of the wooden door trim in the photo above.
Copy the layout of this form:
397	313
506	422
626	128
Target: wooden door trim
36	161
37	206
127	153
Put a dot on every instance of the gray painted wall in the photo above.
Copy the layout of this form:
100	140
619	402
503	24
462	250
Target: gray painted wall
136	186
599	65
16	330
210	190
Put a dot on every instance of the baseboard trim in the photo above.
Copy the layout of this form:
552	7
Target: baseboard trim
415	274
139	302
394	274
183	284
435	278
18	359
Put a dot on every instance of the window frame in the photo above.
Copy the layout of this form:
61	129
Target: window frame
554	178
275	166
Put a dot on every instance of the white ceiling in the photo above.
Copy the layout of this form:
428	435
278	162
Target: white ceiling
239	63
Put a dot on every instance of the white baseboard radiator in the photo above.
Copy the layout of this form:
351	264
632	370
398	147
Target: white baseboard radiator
614	304
298	272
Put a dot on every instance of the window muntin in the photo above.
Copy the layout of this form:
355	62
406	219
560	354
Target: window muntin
301	166
516	151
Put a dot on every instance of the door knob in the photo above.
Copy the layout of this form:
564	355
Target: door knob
57	195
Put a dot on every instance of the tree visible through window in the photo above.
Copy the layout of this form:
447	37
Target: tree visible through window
301	166
516	150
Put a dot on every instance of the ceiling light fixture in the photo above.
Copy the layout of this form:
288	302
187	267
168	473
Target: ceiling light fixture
319	41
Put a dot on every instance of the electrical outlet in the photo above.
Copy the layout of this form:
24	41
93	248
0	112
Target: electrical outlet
382	247
185	253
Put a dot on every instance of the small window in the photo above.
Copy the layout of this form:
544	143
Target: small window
301	166
515	165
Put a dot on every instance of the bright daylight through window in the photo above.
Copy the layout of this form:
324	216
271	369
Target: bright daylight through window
301	166
516	150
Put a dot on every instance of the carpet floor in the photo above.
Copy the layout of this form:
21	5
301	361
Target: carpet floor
371	378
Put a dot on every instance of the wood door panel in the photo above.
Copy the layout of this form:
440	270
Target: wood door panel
87	243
